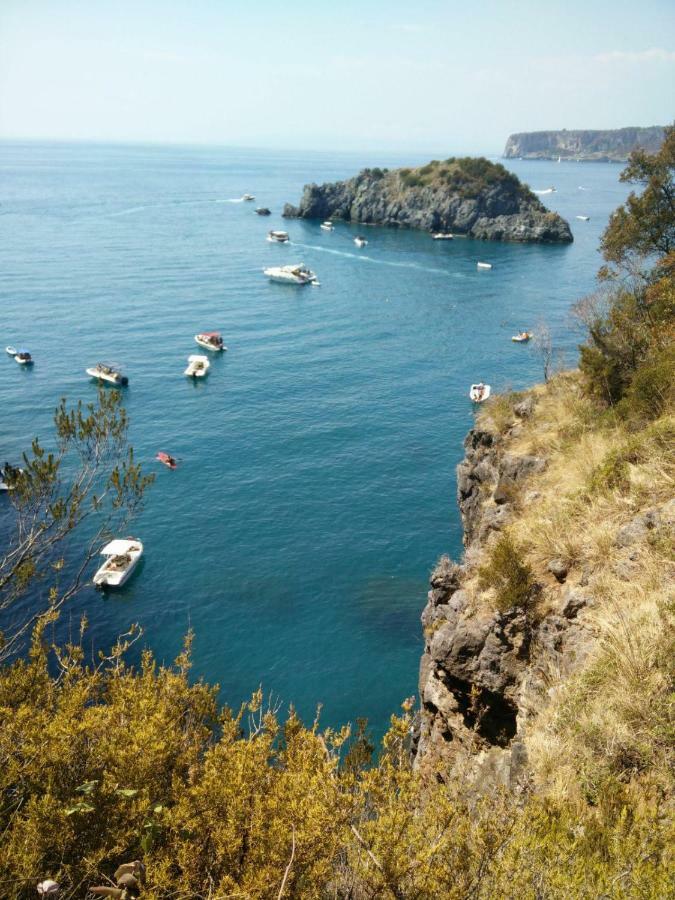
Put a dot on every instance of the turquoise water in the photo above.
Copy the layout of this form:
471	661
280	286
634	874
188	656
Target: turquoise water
316	488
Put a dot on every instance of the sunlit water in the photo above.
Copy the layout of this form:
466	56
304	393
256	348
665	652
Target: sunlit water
316	486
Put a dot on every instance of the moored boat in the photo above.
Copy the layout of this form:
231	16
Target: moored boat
263	211
11	350
296	274
480	392
442	236
522	337
278	237
111	373
327	226
360	241
483	265
198	366
23	358
122	557
212	340
166	458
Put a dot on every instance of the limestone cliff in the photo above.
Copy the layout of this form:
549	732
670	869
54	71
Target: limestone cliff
487	672
470	197
586	146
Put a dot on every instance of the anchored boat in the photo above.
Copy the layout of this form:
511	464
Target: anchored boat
278	237
483	265
522	337
111	373
198	366
122	557
327	226
442	236
297	274
212	340
360	241
479	392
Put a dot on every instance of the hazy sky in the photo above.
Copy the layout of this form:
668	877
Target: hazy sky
447	76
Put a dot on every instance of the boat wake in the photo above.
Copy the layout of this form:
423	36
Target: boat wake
362	257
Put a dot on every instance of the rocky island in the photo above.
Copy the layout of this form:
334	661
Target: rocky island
467	196
584	146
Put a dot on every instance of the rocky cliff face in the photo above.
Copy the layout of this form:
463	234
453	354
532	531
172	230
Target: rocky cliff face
592	146
495	207
484	673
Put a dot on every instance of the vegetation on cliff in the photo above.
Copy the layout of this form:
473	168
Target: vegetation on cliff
102	763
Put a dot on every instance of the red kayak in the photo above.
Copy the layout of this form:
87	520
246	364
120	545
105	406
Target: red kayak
166	459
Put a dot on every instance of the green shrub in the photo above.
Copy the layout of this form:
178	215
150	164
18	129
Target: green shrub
509	575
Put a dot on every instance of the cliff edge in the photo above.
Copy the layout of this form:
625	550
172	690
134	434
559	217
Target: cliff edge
468	196
584	146
560	561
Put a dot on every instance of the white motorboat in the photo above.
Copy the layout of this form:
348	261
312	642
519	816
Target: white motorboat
583	218
198	366
212	340
479	392
111	373
360	241
122	557
11	350
297	274
550	190
278	237
327	226
23	358
442	236
248	197
483	265
522	337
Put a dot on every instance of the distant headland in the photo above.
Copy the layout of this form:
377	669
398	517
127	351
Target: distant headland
585	146
467	196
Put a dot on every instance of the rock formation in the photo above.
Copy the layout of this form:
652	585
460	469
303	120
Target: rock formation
586	146
469	197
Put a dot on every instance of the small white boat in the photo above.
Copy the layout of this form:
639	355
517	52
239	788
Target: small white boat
327	226
297	274
111	373
278	237
360	241
522	337
550	190
558	159
479	392
198	366
211	340
122	557
442	236
11	350
248	197
583	218
483	265
23	358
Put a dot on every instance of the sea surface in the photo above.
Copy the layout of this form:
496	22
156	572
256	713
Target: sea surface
316	485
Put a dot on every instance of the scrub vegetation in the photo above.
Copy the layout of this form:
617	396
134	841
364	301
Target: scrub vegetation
102	762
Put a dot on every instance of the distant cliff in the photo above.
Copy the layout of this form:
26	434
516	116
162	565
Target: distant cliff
468	196
588	146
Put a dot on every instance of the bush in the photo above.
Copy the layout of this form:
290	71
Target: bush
507	573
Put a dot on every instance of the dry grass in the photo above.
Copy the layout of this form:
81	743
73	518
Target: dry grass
613	721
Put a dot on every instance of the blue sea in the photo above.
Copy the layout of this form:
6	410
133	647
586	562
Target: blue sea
316	487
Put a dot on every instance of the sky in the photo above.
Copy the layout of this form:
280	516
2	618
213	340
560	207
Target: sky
310	74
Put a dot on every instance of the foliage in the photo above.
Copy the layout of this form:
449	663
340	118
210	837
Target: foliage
90	482
509	575
468	176
100	764
645	224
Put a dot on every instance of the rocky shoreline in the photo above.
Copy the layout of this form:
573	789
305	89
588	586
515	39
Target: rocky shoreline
440	197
